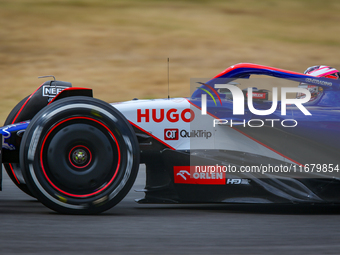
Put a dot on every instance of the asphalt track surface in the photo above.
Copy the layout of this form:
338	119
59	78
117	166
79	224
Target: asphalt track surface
27	227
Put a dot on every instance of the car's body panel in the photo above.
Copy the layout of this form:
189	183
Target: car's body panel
156	115
11	136
188	138
314	140
175	137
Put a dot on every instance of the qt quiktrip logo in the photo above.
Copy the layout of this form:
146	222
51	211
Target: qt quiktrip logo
171	134
195	134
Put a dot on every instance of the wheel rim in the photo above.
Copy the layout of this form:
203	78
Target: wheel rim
72	155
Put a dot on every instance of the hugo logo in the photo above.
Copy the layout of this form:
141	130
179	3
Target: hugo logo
171	115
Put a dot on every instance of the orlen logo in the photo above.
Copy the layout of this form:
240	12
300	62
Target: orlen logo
190	175
159	115
171	134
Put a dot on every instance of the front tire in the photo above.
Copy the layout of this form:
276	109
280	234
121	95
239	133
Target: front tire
79	155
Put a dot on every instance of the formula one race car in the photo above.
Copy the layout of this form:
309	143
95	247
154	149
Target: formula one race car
80	155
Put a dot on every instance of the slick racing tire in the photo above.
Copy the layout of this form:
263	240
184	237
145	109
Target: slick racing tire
79	155
13	169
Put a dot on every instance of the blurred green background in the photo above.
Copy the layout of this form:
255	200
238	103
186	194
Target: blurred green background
120	48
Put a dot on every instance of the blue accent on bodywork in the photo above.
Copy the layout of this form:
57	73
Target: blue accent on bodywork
14	127
323	126
7	131
245	73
